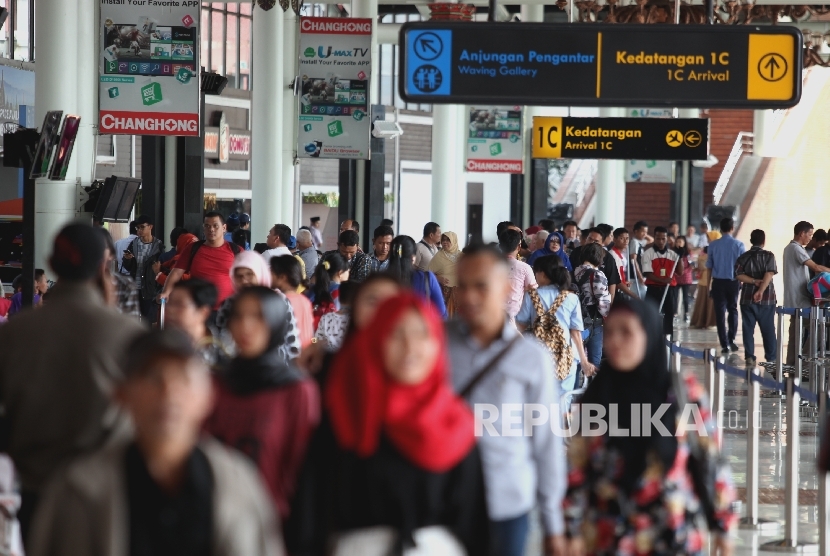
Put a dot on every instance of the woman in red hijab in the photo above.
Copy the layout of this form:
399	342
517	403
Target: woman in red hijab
394	464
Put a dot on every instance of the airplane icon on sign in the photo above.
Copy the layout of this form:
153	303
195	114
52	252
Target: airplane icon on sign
674	138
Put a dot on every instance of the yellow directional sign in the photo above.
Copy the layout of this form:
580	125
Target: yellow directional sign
770	64
547	137
621	138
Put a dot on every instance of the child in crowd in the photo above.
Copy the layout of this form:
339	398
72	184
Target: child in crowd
333	326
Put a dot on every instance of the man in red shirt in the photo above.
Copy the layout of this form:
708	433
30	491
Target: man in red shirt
661	266
209	260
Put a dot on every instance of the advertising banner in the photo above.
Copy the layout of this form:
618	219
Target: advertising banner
149	68
649	171
494	139
335	62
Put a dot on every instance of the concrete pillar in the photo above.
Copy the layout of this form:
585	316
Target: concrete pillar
267	137
610	184
170	173
87	67
57	34
763	131
460	207
446	167
289	110
529	14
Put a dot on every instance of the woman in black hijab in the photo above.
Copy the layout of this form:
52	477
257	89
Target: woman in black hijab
632	489
265	407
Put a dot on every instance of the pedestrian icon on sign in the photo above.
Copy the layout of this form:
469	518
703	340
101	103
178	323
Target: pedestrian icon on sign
427	78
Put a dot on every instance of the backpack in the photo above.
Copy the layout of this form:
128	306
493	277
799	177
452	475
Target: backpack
546	328
198	245
590	313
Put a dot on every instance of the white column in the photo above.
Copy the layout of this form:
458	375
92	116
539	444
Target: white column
289	141
529	14
610	184
763	131
170	171
57	32
445	167
87	69
267	106
460	207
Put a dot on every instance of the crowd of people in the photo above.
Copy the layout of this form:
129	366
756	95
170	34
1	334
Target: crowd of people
310	402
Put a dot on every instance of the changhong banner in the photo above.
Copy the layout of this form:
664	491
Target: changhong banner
335	62
149	68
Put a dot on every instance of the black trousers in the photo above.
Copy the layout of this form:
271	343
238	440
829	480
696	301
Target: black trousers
149	310
725	299
654	294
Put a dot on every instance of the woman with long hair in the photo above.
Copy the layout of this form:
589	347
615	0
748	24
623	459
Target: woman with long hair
554	292
394	462
644	492
402	253
324	292
685	279
287	277
443	265
265	407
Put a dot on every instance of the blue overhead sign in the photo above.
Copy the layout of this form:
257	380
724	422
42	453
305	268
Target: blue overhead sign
600	65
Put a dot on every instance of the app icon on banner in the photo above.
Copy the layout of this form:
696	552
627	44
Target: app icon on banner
183	75
151	94
335	128
358	115
307	127
113	92
187	21
495	149
111	66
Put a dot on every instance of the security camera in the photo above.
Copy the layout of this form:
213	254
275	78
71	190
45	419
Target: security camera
708	163
386	130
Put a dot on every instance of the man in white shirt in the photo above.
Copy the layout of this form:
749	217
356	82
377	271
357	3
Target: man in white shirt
428	246
797	264
277	241
121	246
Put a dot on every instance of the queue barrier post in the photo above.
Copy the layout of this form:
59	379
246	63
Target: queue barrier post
161	313
711	359
813	349
790	541
823	478
752	521
799	343
718	401
779	363
676	356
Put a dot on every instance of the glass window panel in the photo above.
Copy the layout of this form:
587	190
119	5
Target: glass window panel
232	43
21	31
245	53
204	33
245	8
233	8
217	42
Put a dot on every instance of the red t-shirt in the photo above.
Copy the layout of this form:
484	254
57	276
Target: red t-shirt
212	264
273	428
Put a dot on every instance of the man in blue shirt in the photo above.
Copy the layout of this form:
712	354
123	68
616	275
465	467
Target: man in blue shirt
723	254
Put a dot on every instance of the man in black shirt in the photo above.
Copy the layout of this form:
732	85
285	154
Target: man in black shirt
165	492
609	265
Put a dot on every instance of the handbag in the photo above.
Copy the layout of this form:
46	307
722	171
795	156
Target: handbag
384	541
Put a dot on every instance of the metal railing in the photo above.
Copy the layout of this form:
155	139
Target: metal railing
817	394
743	144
